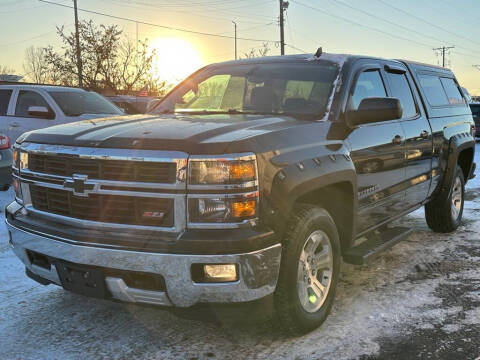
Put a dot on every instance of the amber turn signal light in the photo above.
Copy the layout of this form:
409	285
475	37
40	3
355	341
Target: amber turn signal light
242	171
244	209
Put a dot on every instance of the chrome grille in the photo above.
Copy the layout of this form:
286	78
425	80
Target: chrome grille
105	188
118	170
104	208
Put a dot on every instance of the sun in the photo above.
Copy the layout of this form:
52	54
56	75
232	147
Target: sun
175	59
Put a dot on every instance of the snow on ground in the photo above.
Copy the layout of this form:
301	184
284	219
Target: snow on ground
419	299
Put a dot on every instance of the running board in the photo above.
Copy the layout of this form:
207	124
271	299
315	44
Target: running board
377	241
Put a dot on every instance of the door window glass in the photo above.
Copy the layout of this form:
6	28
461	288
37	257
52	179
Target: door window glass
453	91
433	89
4	100
29	98
402	91
369	84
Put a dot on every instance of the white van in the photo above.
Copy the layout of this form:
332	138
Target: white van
25	107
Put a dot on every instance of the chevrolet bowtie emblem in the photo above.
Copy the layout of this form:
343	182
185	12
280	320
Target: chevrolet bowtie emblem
78	184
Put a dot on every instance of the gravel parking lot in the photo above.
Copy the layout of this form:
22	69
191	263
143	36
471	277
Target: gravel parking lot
420	299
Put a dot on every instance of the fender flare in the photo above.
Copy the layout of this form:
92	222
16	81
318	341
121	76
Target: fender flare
290	184
456	145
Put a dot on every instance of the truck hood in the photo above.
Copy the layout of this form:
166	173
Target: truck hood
192	133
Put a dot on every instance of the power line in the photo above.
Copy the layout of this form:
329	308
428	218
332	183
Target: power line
427	22
157	25
296	48
385	20
361	25
196	13
217	9
399	25
30	38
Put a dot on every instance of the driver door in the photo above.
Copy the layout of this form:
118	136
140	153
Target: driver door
378	154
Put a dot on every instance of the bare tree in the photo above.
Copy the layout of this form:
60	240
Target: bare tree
134	65
257	52
35	65
99	49
6	70
108	61
8	74
156	86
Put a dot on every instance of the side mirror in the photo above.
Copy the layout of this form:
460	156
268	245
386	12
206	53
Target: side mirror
375	109
40	112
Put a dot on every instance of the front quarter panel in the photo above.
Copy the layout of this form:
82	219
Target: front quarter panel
296	173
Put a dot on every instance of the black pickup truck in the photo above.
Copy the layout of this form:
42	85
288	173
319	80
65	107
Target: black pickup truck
252	178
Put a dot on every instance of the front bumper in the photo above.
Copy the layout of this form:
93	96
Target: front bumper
258	270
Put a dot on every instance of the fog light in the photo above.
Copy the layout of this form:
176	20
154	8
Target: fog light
220	272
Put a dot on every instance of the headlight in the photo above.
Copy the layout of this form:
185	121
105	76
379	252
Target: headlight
221	209
16	158
221	171
20	159
23	160
231	184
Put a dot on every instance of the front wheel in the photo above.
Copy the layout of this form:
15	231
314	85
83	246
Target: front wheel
309	270
444	214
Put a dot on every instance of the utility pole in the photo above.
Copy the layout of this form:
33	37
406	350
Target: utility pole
136	28
443	50
77	39
235	26
283	7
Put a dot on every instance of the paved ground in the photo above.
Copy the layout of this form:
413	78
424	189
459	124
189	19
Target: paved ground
420	299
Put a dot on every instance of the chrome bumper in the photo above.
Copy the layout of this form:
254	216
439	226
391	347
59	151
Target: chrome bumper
258	271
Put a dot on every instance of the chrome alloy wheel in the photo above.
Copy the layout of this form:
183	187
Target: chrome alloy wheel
456	198
315	268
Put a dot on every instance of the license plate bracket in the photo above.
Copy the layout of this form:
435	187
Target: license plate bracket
82	280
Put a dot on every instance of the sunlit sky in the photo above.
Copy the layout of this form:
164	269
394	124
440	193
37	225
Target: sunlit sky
438	22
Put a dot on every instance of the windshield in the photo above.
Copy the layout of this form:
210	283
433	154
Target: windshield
76	103
293	89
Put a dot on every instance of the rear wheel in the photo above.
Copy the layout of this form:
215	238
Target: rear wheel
444	214
309	271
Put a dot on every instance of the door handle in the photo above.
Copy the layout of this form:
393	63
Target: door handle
397	140
15	124
424	134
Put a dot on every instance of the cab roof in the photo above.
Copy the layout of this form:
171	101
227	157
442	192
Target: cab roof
11	84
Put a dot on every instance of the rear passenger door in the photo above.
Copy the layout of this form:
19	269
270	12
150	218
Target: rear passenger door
21	121
418	133
5	96
378	153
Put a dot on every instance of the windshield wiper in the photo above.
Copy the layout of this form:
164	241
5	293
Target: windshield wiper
207	112
230	112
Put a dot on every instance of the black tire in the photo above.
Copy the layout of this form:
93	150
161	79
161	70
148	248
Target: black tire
438	212
292	316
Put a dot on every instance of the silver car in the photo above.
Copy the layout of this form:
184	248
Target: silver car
25	107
